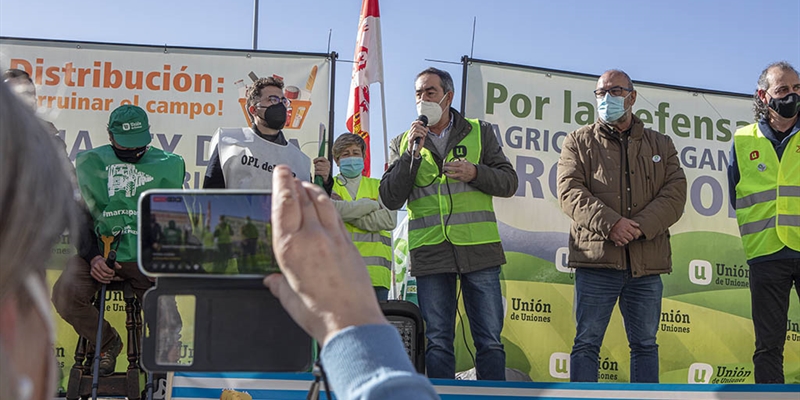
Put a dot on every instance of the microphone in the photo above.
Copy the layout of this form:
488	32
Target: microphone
424	119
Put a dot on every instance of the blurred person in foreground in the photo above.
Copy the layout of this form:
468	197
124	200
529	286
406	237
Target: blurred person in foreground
37	203
764	188
21	84
358	202
361	352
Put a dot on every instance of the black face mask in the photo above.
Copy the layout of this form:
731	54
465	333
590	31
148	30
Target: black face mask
786	107
130	156
275	116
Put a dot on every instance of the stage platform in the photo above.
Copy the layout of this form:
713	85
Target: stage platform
189	386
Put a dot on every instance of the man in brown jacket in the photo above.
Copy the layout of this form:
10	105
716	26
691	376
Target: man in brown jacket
623	187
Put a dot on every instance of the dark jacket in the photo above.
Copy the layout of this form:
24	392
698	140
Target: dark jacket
496	177
604	175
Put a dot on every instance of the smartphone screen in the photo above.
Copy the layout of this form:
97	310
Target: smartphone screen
215	233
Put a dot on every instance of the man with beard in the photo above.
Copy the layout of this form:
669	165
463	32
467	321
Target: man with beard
244	158
764	187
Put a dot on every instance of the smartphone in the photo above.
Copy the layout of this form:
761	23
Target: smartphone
206	233
196	318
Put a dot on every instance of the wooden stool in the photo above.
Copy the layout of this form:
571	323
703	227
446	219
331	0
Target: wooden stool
126	383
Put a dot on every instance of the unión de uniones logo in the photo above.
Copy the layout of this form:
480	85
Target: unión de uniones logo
700	373
731	375
700	272
675	321
608	369
559	365
126	126
792	331
704	373
531	311
734	276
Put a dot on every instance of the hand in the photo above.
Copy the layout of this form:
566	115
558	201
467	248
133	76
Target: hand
100	271
335	196
417	130
461	170
624	231
322	167
307	229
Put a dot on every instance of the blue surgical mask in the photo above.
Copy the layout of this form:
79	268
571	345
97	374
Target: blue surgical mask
611	108
351	167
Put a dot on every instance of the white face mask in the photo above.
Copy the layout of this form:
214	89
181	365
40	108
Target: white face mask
431	110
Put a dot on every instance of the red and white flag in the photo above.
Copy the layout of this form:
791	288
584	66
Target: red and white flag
367	69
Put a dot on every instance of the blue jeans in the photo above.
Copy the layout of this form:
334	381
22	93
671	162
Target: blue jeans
484	305
381	293
596	293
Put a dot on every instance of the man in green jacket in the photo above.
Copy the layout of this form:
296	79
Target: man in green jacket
623	187
111	178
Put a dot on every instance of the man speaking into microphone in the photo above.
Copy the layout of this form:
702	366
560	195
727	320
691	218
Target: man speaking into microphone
448	168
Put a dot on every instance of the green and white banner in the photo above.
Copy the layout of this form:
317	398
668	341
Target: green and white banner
706	333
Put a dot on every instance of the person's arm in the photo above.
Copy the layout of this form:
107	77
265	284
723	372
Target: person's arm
397	182
381	219
733	176
667	206
87	242
214	179
369	362
574	196
361	352
351	211
495	174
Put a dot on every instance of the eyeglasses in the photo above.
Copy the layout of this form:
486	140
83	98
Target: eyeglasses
615	91
272	100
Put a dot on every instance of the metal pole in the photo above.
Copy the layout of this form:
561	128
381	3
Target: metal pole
465	61
333	56
255	24
385	134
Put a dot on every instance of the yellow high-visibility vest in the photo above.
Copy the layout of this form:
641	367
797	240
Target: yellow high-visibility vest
768	193
375	247
440	208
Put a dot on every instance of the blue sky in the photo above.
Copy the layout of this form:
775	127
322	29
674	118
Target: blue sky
712	44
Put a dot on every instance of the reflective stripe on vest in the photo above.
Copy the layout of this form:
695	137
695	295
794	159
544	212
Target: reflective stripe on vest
471	220
768	193
375	247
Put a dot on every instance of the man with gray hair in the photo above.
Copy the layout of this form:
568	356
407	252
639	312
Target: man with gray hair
623	187
449	168
764	188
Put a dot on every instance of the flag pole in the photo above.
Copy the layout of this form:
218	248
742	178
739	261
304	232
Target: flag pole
385	140
255	24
